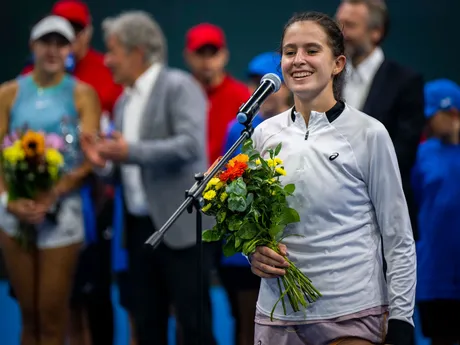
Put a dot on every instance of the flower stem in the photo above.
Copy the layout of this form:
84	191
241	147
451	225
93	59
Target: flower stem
297	287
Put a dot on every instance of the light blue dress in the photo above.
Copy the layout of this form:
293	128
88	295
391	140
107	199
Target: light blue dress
51	110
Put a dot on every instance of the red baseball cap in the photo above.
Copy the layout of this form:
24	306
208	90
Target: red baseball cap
205	34
73	10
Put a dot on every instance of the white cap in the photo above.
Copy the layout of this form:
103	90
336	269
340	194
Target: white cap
53	24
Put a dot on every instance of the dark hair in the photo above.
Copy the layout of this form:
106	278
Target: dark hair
378	15
335	41
77	27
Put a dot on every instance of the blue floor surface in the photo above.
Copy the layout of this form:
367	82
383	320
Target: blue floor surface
223	322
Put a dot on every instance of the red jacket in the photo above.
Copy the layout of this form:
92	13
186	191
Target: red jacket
224	102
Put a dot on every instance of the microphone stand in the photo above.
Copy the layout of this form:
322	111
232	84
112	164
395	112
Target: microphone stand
194	200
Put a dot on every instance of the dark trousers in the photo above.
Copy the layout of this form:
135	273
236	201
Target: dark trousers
162	277
93	281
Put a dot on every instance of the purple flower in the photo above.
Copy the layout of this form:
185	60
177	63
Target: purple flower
9	140
54	141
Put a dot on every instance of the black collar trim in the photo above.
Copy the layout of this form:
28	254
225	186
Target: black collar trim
332	114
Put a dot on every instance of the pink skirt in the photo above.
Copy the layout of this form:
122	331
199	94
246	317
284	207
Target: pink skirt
365	326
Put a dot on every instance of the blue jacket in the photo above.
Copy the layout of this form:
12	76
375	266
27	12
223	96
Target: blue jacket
436	186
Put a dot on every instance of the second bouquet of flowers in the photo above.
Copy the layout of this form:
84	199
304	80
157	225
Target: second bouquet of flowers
32	163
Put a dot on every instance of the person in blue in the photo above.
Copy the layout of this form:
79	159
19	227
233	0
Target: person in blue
51	101
435	181
243	287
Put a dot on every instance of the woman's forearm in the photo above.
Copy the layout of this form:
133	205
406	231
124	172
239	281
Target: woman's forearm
73	180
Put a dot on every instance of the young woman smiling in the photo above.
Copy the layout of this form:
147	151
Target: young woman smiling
350	200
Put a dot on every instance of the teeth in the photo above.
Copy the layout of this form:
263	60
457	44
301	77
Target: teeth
301	74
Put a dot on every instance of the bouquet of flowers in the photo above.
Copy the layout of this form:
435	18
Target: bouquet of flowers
251	209
32	163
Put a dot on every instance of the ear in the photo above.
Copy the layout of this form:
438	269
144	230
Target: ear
88	32
376	35
340	63
226	55
140	51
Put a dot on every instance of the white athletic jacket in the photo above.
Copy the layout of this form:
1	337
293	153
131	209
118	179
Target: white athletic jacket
349	197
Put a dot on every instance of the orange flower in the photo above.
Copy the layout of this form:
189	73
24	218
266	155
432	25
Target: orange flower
33	144
242	158
233	171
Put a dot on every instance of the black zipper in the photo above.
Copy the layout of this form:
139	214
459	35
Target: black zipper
307	134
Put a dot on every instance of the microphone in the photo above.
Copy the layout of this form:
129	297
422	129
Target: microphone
270	83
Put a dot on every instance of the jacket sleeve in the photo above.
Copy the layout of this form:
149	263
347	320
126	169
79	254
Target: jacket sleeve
409	124
386	193
408	131
188	112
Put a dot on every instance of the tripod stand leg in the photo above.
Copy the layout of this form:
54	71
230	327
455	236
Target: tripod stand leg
200	311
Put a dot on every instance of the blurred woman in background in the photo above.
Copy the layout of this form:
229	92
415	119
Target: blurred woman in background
50	101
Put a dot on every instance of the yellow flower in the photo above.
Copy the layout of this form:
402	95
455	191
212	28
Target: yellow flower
13	154
278	161
33	144
206	208
219	185
212	182
209	195
258	162
270	163
54	157
223	197
280	171
53	171
272	180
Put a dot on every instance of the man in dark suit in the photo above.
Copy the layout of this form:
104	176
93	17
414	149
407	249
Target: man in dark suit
380	87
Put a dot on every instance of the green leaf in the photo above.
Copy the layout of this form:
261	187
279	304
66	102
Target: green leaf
254	156
221	216
252	165
250	246
212	235
229	247
265	164
289	188
278	149
248	231
237	242
289	216
237	204
276	229
256	214
257	179
237	187
249	199
235	224
247	145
